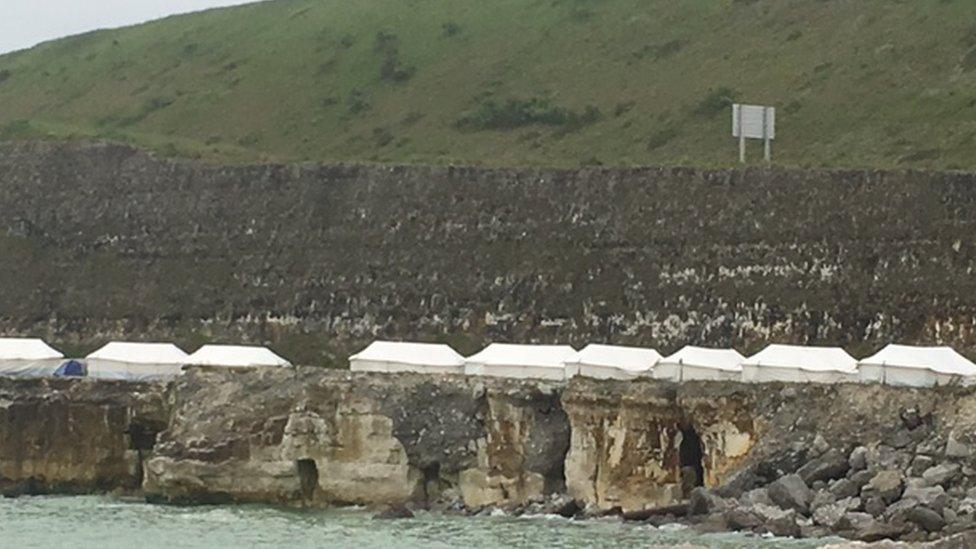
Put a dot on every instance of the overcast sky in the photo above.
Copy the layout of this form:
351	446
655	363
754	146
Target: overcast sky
24	23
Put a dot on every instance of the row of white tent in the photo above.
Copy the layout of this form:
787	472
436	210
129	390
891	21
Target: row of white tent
128	361
899	365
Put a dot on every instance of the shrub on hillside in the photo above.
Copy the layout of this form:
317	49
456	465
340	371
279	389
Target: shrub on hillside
516	113
450	29
716	101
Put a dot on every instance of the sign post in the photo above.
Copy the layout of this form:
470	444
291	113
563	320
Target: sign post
754	122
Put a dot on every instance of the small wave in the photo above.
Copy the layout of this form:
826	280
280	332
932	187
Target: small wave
543	516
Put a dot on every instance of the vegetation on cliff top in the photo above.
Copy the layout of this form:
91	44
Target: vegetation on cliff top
516	82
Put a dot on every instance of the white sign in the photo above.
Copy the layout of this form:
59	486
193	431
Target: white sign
756	122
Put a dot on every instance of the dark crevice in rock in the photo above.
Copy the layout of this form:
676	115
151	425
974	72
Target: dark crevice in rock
691	457
308	475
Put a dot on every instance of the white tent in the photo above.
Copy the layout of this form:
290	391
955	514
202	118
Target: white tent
796	364
137	361
917	366
698	363
235	356
611	362
28	358
394	357
520	361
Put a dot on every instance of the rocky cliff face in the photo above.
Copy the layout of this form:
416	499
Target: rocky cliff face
335	438
108	241
867	462
65	436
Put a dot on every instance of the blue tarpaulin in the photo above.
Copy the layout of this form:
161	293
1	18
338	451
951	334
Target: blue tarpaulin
71	368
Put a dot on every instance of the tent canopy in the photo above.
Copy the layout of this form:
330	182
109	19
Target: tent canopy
26	349
418	354
71	368
141	353
634	359
942	360
811	359
508	354
235	355
728	360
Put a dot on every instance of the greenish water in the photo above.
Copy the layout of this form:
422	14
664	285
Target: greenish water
94	522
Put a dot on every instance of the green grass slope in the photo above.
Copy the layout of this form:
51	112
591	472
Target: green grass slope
885	83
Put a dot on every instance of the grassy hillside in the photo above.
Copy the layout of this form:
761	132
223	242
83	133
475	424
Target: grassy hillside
510	82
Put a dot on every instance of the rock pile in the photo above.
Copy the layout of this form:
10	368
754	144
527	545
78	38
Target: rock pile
914	493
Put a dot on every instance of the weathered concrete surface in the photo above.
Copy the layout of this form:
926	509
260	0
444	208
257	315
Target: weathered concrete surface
319	260
373	439
69	436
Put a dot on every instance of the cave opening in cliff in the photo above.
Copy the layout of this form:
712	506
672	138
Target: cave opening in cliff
432	481
691	457
308	474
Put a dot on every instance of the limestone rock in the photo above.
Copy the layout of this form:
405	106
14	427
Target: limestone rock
759	495
830	515
741	518
844	488
832	465
790	492
858	460
957	449
887	485
942	474
925	518
704	502
861	478
932	497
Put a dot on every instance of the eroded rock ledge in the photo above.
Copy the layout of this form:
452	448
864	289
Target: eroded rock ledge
867	462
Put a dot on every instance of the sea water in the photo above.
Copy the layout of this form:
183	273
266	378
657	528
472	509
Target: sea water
100	522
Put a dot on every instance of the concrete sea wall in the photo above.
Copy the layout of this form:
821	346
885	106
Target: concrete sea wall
103	241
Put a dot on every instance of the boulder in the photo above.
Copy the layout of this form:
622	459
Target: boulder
941	474
916	482
738	483
784	526
566	507
873	530
776	521
957	449
850	504
920	464
790	492
844	488
933	497
925	518
887	485
874	506
741	518
821	498
703	502
832	465
759	495
861	478
830	515
885	457
858	460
